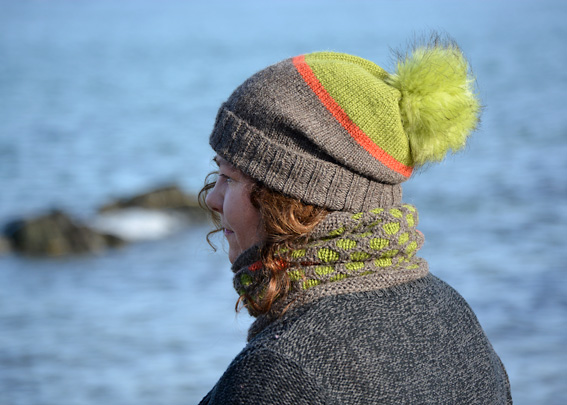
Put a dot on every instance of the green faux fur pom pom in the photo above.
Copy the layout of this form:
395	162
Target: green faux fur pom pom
439	107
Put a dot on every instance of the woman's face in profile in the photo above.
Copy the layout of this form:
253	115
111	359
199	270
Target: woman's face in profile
230	198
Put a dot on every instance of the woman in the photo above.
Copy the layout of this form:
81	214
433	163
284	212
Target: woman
311	154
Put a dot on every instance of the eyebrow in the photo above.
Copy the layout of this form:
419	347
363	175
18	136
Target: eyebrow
220	161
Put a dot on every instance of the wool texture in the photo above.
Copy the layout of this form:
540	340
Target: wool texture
414	343
438	106
338	131
346	252
363	321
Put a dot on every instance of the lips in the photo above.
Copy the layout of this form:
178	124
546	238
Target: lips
227	232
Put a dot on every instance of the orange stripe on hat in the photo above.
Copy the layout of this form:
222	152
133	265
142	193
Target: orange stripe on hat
354	130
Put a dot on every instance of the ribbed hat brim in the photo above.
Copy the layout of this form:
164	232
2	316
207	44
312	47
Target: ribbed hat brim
303	176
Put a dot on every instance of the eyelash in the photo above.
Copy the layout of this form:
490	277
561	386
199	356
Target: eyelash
226	178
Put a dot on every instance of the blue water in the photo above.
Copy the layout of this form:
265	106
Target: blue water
104	99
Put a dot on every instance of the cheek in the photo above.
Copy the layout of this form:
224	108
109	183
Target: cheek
252	218
245	221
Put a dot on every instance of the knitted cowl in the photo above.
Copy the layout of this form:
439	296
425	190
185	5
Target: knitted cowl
345	253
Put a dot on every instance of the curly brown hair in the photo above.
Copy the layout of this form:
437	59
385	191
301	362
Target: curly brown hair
287	223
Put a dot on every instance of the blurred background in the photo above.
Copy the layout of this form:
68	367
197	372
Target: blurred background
105	99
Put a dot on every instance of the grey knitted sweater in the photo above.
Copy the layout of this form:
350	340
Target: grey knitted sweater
415	343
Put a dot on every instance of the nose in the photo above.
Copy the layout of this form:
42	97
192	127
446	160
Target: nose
214	199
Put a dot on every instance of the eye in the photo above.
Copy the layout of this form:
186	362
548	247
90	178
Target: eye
225	177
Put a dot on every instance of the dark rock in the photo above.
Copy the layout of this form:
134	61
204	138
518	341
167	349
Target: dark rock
113	241
55	234
5	245
160	212
163	198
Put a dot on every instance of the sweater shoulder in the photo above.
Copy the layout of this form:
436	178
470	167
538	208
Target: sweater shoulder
260	375
416	342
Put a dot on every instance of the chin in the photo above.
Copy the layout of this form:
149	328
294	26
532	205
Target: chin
232	256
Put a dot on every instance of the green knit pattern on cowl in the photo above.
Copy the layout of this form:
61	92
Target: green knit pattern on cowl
376	247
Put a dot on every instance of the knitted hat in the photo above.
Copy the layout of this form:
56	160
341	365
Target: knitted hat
338	131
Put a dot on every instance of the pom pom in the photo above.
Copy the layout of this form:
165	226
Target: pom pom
438	106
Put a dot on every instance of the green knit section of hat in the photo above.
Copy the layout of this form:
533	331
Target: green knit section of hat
373	106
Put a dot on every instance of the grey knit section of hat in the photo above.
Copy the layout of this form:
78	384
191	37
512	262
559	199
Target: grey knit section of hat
275	129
